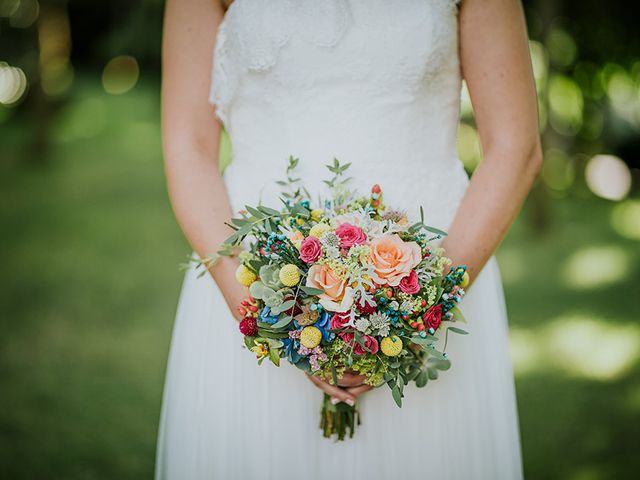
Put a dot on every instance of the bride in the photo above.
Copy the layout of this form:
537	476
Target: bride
375	83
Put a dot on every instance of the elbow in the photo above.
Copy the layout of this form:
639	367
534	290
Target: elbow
524	155
533	158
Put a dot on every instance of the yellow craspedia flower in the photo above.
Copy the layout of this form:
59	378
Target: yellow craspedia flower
245	276
465	280
391	346
289	275
310	337
318	229
317	214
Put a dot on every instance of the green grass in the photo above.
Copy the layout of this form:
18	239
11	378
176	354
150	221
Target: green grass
90	253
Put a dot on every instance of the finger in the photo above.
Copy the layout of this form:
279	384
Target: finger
333	391
351	380
359	390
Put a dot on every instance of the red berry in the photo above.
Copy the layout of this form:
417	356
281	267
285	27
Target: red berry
423	303
375	203
389	293
242	311
421	326
414	324
375	188
253	308
249	327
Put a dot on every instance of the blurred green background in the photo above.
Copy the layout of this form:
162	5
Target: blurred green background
90	250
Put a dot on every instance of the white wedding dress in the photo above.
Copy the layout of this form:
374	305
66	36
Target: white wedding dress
375	83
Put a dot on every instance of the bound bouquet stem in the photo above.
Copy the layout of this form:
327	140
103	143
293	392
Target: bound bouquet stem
339	419
346	283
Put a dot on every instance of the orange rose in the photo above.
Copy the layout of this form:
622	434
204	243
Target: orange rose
336	297
393	259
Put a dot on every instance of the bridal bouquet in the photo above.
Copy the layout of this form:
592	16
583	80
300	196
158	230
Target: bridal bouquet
346	284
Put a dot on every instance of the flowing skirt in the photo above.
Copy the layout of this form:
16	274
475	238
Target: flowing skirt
225	417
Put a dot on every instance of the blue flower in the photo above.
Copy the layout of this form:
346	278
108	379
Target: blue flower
291	350
266	316
323	324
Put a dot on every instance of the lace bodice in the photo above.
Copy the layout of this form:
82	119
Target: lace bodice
372	82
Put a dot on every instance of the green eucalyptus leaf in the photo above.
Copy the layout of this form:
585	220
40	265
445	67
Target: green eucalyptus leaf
311	290
437	231
458	330
397	395
282	307
255	212
268	211
422	379
283	322
269	334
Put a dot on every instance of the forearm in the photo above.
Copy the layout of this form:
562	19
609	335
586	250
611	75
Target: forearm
492	201
201	205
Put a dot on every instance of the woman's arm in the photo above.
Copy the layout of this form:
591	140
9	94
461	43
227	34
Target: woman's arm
497	68
191	134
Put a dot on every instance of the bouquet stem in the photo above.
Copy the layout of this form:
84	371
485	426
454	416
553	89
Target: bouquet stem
338	419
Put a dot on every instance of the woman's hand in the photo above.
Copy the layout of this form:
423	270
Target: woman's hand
233	292
351	379
337	394
349	388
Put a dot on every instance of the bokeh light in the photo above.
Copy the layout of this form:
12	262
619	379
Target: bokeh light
466	109
623	95
608	177
625	219
24	13
54	39
13	84
120	74
593	267
562	47
578	343
566	104
57	77
8	7
558	171
469	149
589	347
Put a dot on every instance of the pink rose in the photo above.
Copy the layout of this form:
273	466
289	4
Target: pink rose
410	284
310	250
393	259
433	317
339	320
350	235
370	343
